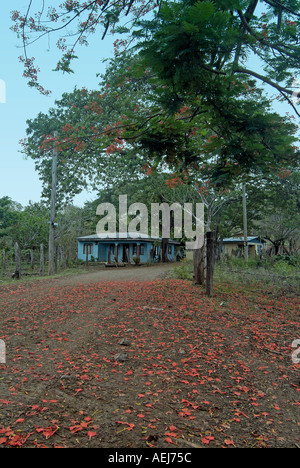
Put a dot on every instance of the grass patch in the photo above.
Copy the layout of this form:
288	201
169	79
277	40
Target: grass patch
281	273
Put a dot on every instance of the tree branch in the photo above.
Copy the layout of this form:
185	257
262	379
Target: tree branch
262	40
290	102
278	4
263	78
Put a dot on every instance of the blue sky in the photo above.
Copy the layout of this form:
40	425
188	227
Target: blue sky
18	178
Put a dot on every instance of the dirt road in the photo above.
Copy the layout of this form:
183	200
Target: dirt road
129	273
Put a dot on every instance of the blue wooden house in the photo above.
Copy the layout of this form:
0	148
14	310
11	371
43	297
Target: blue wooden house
123	247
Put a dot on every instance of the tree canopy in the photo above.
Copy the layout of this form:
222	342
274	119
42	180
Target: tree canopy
187	95
134	124
215	37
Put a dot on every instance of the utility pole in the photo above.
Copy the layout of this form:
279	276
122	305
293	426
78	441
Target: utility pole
52	209
245	223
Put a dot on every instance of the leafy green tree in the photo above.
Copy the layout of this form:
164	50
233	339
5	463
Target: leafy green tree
89	156
9	212
204	45
32	226
279	217
186	40
84	18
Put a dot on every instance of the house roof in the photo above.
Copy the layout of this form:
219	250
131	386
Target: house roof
122	236
241	239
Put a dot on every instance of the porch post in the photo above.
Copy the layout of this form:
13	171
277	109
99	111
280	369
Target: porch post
138	249
116	252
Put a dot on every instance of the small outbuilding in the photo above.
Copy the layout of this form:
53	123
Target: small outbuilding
235	245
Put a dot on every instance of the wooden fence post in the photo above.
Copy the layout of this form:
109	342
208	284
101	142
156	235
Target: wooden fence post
18	272
56	258
210	263
3	262
32	259
42	260
199	263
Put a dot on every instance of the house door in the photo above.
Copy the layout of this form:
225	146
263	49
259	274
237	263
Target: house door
125	255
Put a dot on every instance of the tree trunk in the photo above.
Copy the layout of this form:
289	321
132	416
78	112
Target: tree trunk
199	262
210	264
245	222
276	247
164	249
52	213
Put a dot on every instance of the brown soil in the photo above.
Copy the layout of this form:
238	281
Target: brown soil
124	357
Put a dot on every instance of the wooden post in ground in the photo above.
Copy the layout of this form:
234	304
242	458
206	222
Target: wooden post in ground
52	210
56	258
3	262
210	263
18	272
199	263
63	258
42	260
116	253
32	259
245	224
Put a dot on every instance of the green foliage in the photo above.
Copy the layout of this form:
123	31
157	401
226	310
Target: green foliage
184	270
181	98
32	228
291	260
8	217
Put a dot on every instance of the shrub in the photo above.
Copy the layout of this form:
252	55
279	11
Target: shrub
289	259
184	270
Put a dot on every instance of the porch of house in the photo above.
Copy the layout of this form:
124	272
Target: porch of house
115	251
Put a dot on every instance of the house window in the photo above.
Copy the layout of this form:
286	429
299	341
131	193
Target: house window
142	249
88	249
169	249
